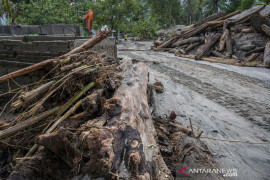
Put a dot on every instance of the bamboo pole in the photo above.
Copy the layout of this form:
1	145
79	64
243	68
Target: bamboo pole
29	96
75	98
27	123
61	111
65	116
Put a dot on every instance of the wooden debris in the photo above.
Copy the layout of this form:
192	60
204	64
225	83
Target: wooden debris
252	57
266	58
11	130
266	29
208	46
243	33
168	43
188	41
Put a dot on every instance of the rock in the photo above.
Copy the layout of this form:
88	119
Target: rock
266	58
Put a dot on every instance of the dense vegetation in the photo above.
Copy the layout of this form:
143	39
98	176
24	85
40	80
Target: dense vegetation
134	16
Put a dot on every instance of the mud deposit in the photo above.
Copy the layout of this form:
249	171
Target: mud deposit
225	102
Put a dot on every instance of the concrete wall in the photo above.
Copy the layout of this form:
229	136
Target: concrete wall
33	52
37	51
18	53
49	29
40	38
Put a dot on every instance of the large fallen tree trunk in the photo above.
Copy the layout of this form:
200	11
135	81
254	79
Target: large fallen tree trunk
229	15
189	40
132	128
120	144
247	15
168	43
50	62
202	27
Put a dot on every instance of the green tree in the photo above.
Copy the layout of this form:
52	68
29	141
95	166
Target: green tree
213	6
166	12
233	6
113	12
266	1
246	4
146	28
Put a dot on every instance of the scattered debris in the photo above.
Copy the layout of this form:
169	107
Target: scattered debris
180	148
158	86
238	38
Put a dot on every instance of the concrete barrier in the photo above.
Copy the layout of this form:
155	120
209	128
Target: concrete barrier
22	51
49	29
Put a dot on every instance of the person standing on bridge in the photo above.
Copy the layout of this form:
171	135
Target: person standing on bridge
125	36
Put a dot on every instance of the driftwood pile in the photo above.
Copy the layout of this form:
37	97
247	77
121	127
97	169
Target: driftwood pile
239	38
92	117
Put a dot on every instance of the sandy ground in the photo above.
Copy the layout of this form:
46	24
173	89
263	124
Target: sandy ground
224	101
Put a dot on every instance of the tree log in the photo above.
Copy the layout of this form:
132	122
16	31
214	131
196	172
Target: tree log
218	54
58	143
208	46
223	40
90	43
28	97
246	15
229	45
246	48
229	15
202	27
266	29
26	123
162	49
257	21
211	18
50	62
193	45
189	40
252	57
266	58
257	50
157	43
238	28
168	43
128	139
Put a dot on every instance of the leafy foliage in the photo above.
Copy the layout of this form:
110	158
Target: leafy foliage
132	16
233	6
246	4
147	28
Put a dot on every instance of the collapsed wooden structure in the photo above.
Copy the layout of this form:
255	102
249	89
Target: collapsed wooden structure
238	38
